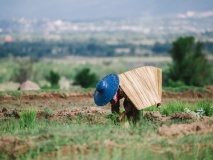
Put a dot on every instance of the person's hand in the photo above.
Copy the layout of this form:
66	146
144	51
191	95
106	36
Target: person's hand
158	105
121	116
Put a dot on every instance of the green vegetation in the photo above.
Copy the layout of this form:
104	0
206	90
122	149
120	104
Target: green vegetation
108	142
190	66
207	106
172	107
48	112
86	138
184	88
52	131
53	78
180	106
85	78
27	118
65	68
19	69
15	94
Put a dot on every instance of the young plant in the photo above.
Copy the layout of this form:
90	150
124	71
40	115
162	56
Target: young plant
27	118
172	107
207	106
48	112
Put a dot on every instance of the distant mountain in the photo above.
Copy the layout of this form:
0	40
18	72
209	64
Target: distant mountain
99	9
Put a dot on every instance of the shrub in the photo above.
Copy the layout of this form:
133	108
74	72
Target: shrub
175	83
53	78
85	78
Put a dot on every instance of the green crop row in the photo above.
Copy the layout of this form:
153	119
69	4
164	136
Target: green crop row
99	137
80	141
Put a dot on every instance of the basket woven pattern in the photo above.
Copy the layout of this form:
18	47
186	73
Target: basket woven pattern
143	86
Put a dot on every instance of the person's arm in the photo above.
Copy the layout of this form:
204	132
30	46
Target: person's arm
115	102
127	106
115	107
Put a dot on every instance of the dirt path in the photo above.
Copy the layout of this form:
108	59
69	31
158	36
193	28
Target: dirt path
78	97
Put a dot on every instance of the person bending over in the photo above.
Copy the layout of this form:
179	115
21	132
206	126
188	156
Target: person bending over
108	90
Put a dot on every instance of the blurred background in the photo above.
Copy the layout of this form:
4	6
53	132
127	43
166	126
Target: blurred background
69	44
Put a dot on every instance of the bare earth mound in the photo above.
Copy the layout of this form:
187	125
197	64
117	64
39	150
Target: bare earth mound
71	96
185	129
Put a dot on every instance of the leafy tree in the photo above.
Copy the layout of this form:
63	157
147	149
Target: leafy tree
160	48
189	62
53	78
85	78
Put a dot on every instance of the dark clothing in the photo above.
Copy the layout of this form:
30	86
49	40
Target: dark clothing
130	110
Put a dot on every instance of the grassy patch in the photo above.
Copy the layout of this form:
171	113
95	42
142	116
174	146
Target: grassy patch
27	118
2	94
180	106
110	142
48	112
172	107
96	135
16	94
207	106
184	88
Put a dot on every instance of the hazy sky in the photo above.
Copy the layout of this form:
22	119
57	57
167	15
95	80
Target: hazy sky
94	9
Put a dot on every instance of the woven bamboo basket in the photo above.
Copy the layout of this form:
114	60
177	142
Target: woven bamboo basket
143	86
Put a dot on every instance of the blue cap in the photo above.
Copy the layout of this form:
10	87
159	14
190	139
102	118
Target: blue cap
106	89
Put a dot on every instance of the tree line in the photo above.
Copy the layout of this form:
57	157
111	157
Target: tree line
189	64
59	49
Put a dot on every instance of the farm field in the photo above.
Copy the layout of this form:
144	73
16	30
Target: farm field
69	66
57	124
